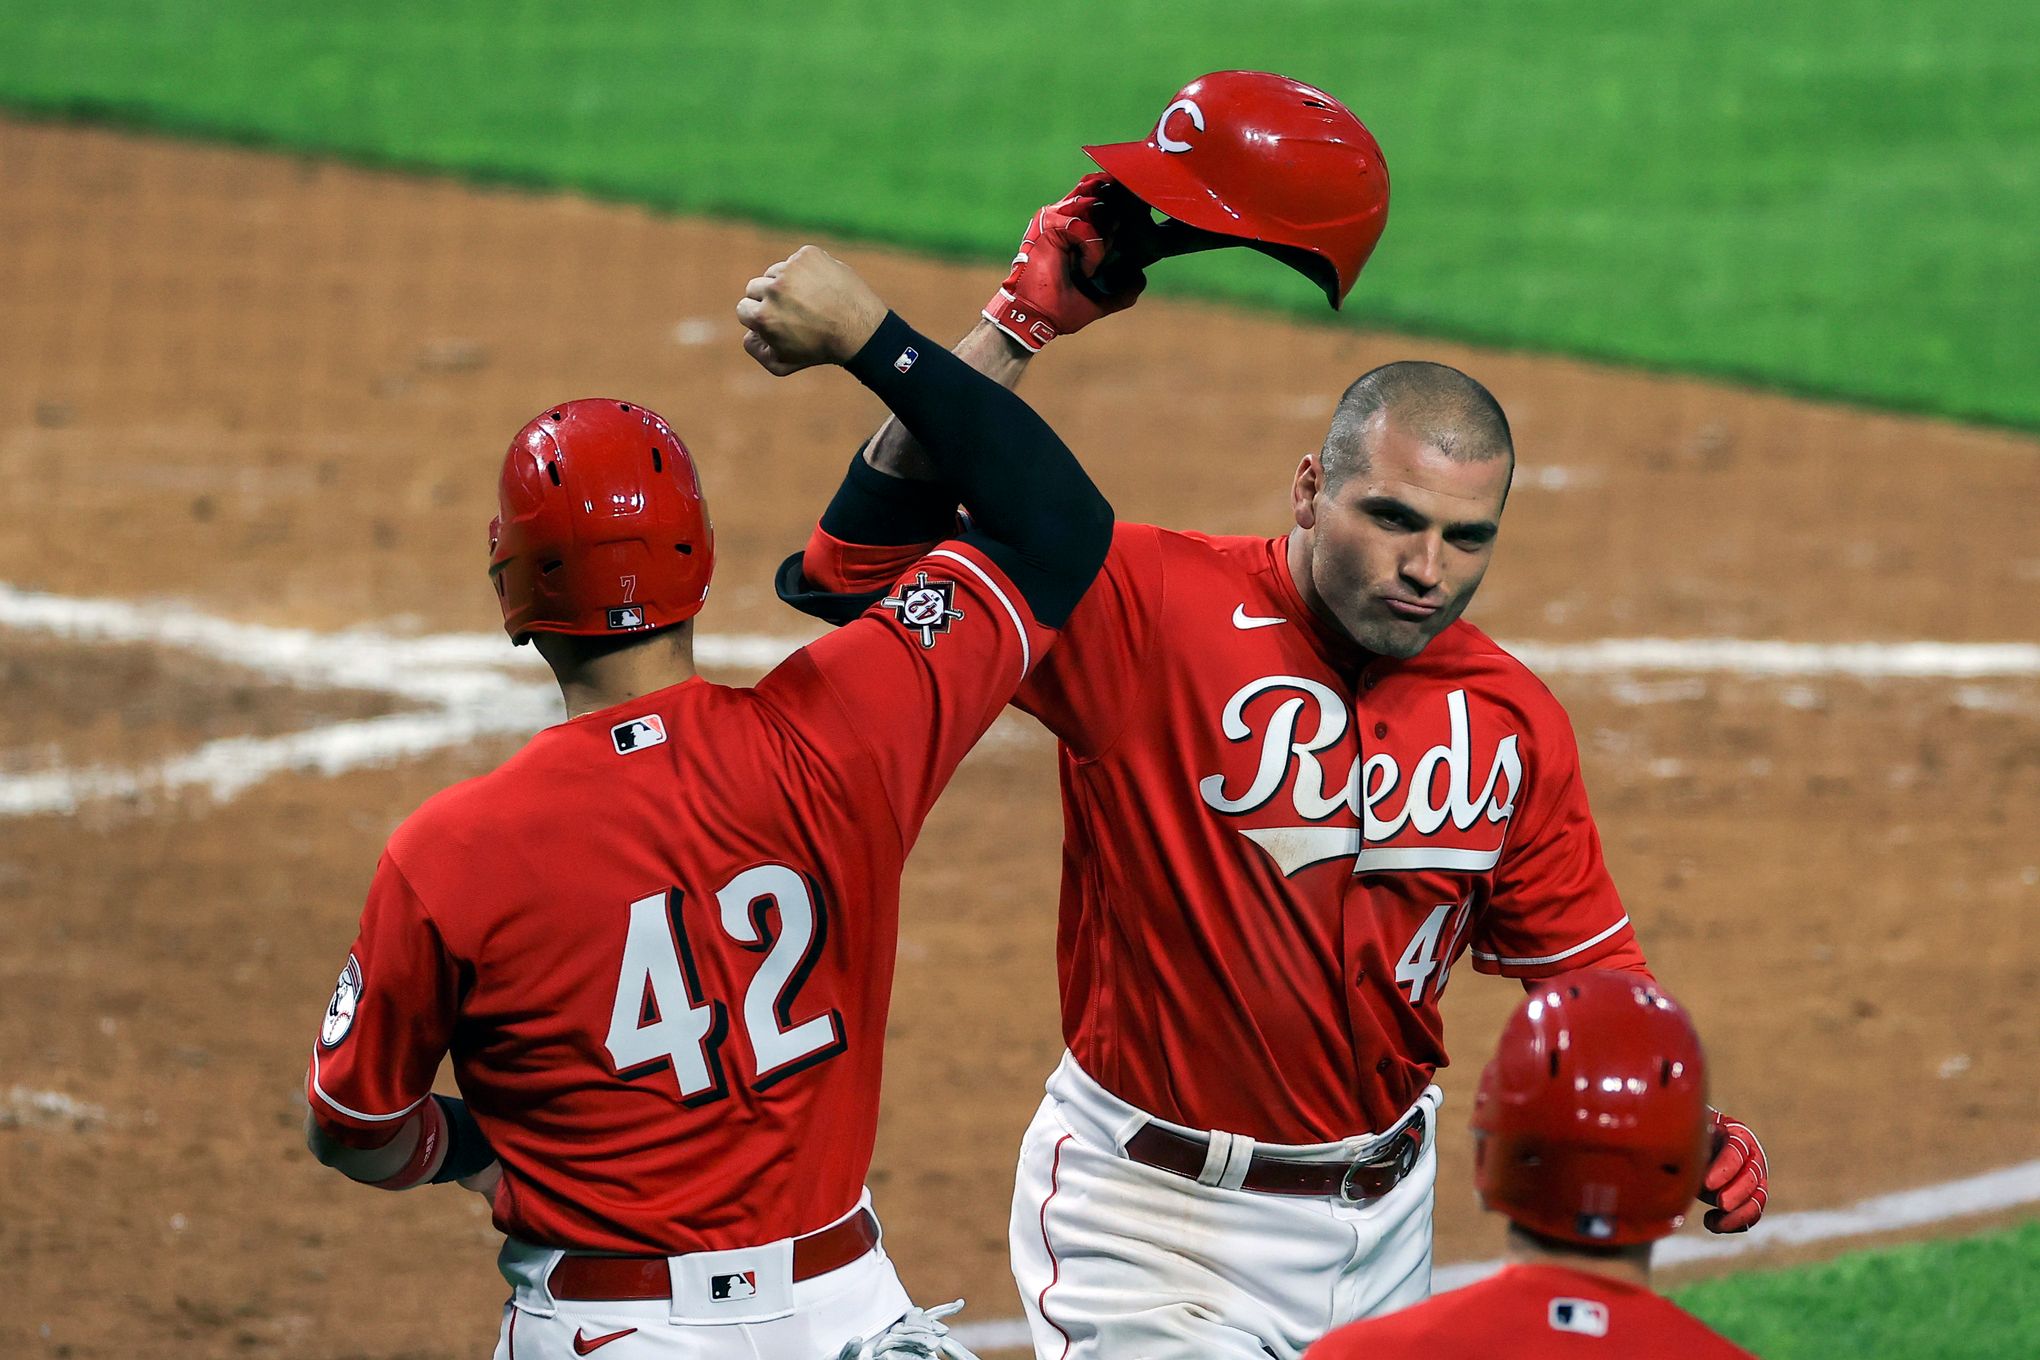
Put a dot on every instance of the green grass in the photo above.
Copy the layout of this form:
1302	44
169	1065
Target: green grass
1837	196
1977	1298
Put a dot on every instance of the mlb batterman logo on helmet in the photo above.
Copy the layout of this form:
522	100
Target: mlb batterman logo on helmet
602	528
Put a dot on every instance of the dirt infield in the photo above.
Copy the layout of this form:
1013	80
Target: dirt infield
275	391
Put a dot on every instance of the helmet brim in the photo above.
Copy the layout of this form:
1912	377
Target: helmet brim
1156	180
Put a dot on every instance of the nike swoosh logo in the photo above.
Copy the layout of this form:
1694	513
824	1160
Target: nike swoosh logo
588	1345
1242	620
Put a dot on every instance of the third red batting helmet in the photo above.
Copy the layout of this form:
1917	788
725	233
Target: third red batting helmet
603	528
1272	162
1591	1123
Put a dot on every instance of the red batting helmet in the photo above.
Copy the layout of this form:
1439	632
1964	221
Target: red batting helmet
603	529
1591	1122
1279	164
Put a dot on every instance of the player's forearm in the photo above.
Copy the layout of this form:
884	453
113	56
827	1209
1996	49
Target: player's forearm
369	1165
891	495
1025	490
894	450
438	1142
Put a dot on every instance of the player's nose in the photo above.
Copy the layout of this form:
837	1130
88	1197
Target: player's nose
1423	565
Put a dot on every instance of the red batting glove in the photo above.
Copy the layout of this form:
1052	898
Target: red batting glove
1066	240
1738	1181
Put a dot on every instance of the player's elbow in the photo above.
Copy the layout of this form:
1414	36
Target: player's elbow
1092	532
341	1150
324	1147
1076	553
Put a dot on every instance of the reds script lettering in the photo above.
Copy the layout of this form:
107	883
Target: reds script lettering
1288	757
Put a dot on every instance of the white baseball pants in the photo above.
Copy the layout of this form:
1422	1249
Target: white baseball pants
1121	1261
783	1319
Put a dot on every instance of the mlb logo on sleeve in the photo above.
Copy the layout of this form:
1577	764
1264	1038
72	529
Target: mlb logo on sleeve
635	734
1583	1317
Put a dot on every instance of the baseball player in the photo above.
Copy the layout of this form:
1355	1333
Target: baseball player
1590	1134
658	942
1297	788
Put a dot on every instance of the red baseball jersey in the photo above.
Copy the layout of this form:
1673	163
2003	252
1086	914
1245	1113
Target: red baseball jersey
1533	1313
1276	845
658	941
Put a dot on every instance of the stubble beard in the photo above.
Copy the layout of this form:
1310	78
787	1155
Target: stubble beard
1382	633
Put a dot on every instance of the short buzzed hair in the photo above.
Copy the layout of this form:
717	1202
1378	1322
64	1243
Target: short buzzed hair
1433	402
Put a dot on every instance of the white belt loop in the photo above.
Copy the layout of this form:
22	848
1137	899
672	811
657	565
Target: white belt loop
1226	1159
1217	1159
528	1270
1240	1158
1122	1132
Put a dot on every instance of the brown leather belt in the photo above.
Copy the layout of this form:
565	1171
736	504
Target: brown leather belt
611	1279
1356	1182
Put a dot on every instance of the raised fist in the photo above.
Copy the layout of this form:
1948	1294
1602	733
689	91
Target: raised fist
1065	241
808	309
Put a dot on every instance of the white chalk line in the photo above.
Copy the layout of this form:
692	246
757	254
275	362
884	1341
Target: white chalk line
1763	659
2008	1188
466	685
24	1106
471	685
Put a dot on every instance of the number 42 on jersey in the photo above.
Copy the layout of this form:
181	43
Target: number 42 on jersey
660	1018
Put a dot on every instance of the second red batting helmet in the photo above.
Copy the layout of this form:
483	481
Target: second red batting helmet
1591	1123
603	529
1279	165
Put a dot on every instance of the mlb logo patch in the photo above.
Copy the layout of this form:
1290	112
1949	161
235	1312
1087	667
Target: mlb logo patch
635	734
1582	1317
742	1285
627	616
908	358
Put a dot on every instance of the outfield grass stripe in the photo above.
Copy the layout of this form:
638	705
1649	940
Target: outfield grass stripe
1830	198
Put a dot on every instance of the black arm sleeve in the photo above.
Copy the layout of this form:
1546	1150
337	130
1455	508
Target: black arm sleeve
467	1147
874	508
1035	511
885	511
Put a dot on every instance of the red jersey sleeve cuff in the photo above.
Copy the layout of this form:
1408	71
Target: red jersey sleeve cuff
830	564
354	1127
1596	951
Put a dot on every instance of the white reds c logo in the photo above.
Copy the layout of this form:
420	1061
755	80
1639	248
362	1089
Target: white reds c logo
1162	137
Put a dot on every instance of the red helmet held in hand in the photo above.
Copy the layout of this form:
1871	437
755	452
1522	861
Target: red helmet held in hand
1279	165
1591	1123
603	529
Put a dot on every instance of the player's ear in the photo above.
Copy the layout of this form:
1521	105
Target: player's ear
1303	492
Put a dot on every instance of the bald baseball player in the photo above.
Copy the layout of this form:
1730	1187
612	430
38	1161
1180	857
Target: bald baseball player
658	942
1297	787
1590	1134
